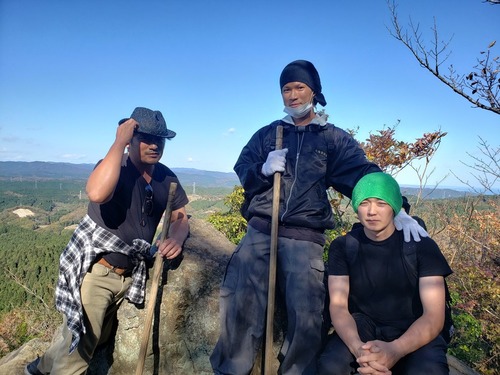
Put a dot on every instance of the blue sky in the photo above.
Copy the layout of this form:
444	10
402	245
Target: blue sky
69	70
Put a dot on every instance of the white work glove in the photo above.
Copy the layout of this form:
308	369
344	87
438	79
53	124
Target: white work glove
410	226
275	162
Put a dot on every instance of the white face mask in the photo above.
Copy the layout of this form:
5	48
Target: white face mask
299	111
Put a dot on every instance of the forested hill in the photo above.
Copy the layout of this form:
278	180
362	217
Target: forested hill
61	171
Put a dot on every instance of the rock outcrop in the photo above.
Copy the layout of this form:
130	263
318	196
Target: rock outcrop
186	319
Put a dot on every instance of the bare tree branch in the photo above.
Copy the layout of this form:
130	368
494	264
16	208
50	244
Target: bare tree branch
486	168
483	82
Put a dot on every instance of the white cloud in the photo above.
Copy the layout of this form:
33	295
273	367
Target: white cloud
229	131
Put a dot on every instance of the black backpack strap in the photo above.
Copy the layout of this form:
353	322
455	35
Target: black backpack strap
410	261
352	245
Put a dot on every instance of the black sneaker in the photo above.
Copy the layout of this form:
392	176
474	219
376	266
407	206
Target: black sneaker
32	369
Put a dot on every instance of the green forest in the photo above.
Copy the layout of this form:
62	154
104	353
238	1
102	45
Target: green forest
31	245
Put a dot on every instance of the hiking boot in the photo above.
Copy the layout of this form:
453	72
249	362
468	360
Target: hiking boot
32	369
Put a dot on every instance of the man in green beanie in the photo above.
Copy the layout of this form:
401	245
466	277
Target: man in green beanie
384	323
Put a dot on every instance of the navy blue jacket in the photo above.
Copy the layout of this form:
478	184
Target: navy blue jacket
319	157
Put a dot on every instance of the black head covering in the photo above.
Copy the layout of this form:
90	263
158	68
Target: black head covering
305	72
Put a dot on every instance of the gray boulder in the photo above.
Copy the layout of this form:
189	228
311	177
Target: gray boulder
185	324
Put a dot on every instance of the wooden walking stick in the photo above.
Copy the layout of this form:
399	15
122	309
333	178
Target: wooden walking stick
155	282
272	261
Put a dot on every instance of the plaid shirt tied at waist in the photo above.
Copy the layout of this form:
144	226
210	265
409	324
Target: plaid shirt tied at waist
88	241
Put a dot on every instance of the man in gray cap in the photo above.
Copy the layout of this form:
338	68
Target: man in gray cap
316	155
105	260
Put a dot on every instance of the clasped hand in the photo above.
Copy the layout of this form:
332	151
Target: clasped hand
377	358
275	162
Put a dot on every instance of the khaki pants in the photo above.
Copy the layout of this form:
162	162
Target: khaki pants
102	292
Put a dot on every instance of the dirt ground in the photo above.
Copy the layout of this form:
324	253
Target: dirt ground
23	212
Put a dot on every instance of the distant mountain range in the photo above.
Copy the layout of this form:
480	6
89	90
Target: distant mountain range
61	171
44	170
187	176
439	193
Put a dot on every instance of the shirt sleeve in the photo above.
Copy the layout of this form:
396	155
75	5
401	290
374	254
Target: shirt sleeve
249	164
337	261
431	261
347	162
180	197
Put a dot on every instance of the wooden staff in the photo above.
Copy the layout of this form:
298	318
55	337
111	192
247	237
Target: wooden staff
157	271
273	260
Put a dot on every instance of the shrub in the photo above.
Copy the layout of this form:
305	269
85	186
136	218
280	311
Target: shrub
231	223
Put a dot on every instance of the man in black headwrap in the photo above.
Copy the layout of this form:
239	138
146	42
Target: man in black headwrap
316	155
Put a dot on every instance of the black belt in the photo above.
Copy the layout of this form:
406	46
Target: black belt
293	232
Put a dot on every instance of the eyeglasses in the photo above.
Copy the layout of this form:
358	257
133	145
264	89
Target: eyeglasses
147	205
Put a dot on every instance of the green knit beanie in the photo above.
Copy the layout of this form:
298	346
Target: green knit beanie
378	185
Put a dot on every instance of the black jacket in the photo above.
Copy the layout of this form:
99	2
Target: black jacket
318	157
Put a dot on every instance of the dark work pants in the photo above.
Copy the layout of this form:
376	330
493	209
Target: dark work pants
336	359
243	303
